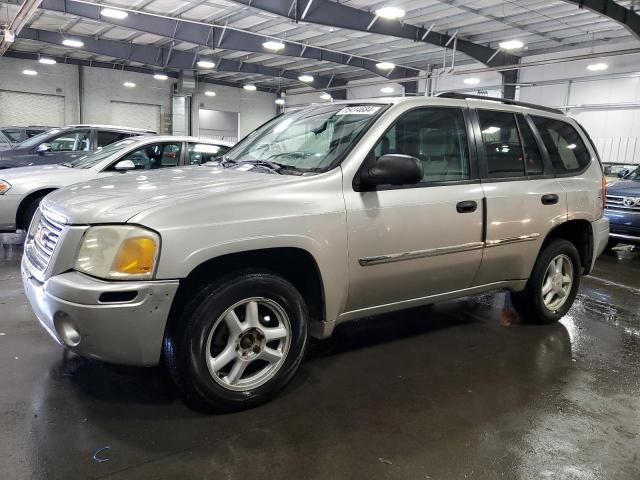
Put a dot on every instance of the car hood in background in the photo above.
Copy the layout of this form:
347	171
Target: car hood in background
25	179
627	188
118	198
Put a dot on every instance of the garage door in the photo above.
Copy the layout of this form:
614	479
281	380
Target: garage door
137	115
20	108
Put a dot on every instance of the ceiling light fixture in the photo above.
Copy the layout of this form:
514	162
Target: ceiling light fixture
47	61
390	13
280	101
273	45
386	89
113	13
385	65
250	87
70	42
206	64
306	78
325	96
597	67
30	72
210	93
511	45
160	76
471	81
129	84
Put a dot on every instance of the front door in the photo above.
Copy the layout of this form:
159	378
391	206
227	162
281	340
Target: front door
411	242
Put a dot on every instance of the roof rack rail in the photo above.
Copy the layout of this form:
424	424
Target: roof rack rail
463	96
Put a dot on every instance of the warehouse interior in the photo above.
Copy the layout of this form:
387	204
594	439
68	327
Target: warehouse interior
453	389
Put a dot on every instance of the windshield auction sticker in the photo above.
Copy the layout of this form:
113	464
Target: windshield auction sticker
360	110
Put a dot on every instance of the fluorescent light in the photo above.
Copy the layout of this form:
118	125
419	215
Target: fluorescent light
273	45
160	76
306	78
511	45
129	84
472	81
210	93
113	13
390	13
250	87
491	130
571	146
30	72
47	61
385	65
206	64
70	42
386	89
325	96
280	101
596	67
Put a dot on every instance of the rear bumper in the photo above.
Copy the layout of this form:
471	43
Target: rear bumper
73	309
8	209
600	239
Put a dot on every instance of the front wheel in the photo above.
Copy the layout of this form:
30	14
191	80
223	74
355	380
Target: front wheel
553	285
239	342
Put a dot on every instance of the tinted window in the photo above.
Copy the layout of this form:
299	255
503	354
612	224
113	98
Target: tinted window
13	135
156	155
107	138
71	142
566	149
205	152
532	155
501	144
435	136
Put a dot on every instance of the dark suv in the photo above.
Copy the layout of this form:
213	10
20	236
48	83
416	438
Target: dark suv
623	209
61	145
10	136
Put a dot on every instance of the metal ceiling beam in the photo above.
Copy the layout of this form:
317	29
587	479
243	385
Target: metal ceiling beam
167	58
616	12
25	12
212	36
333	14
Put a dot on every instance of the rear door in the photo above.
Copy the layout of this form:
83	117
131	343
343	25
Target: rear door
524	200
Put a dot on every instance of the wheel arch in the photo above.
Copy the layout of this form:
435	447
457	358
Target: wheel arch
26	201
580	233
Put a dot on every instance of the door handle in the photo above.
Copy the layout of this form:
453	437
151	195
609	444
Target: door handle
467	206
550	199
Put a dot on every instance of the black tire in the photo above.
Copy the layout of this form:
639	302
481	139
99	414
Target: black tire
29	212
185	345
529	302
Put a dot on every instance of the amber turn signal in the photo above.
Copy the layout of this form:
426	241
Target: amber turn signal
136	256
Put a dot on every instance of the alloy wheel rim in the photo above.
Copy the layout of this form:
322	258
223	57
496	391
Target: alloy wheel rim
557	283
248	344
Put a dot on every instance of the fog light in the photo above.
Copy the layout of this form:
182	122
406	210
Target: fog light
65	330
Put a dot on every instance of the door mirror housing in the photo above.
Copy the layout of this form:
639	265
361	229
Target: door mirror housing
393	169
43	148
124	165
623	173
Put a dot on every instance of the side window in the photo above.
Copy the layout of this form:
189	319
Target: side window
107	138
200	153
566	149
71	142
501	144
532	156
155	155
435	136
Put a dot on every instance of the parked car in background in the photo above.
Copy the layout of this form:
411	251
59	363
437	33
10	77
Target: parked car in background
22	189
325	214
64	144
11	136
623	208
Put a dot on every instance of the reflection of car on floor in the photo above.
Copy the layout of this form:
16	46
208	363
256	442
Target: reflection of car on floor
21	189
623	209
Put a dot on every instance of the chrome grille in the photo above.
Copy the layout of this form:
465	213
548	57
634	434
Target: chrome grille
616	202
41	241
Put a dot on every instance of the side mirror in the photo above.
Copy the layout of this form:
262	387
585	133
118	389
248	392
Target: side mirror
393	169
623	173
43	148
125	165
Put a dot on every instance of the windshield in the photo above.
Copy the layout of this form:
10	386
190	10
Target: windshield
38	139
12	135
88	161
310	139
634	175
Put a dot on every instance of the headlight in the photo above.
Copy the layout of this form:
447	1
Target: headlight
4	187
120	252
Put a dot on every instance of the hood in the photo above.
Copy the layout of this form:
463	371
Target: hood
118	198
627	188
26	179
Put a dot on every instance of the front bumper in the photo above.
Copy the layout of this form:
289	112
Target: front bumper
89	317
624	225
8	208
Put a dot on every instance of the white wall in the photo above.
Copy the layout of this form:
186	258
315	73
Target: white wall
56	79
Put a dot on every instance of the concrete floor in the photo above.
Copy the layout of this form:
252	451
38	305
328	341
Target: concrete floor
444	392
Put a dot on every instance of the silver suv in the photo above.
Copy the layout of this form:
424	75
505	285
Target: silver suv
325	214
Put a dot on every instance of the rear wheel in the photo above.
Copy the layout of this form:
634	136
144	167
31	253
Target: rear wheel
239	342
553	285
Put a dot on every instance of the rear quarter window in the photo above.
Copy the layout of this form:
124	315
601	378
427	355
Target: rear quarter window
567	151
